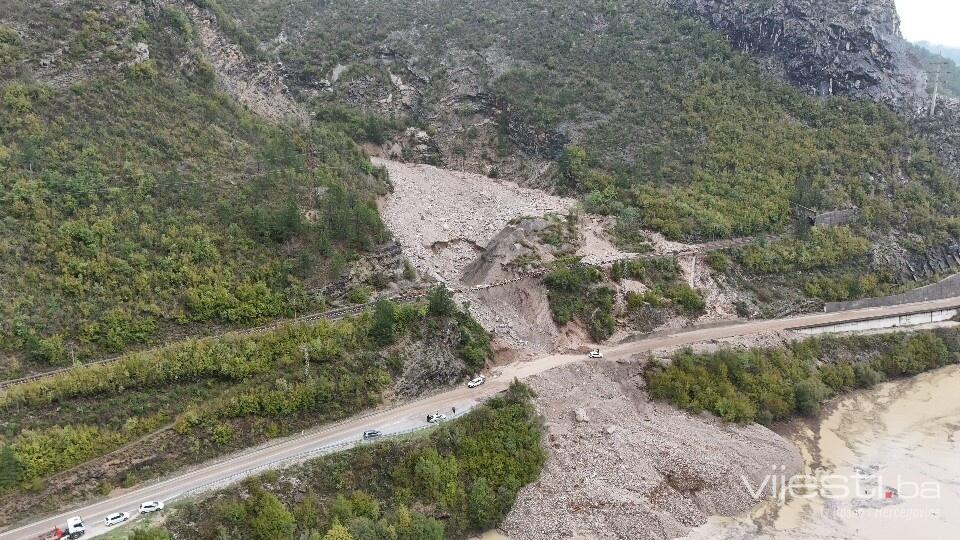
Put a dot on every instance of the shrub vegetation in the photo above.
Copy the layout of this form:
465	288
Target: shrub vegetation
135	206
459	480
767	385
214	395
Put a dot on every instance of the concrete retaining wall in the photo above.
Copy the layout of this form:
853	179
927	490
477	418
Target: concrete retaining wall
913	319
947	288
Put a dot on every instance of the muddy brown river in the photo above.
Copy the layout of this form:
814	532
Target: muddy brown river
883	463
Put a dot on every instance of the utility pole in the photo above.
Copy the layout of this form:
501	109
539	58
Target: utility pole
936	88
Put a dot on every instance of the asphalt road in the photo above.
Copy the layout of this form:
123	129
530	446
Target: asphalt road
412	415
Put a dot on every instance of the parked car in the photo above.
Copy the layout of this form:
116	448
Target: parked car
151	506
595	354
114	519
436	418
476	381
372	434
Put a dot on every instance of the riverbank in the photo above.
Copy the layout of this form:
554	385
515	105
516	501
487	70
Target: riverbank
894	447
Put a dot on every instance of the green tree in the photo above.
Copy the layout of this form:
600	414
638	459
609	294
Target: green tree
307	512
441	302
365	506
272	520
10	468
810	393
381	329
573	167
337	532
483	512
404	522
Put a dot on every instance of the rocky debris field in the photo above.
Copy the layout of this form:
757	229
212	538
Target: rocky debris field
623	466
468	230
444	219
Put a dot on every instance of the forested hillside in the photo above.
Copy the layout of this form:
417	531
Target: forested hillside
138	201
95	428
647	114
455	482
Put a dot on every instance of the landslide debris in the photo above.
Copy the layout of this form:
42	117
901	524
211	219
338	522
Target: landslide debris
443	219
623	466
456	228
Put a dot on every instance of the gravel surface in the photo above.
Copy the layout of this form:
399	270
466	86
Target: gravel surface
622	466
443	219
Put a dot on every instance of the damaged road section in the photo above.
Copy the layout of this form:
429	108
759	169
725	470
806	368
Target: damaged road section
624	466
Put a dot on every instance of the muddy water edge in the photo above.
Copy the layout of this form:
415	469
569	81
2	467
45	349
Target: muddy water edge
882	463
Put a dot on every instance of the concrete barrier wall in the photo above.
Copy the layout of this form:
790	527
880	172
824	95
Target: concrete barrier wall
913	319
947	288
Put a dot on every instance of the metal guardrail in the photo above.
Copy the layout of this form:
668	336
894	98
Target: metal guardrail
291	460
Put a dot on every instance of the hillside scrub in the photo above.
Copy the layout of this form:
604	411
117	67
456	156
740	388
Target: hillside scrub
226	393
586	294
768	385
829	264
667	287
576	293
130	215
825	248
458	480
650	115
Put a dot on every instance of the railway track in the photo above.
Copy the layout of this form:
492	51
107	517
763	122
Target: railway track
330	315
348	311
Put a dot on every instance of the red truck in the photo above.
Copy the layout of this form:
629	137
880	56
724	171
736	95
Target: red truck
74	529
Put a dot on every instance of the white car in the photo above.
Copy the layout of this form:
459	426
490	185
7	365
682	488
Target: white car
436	418
151	506
476	381
595	354
114	519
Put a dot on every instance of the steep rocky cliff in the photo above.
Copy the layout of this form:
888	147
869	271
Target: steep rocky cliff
841	47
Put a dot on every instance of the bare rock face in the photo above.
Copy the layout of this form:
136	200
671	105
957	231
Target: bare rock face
826	47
